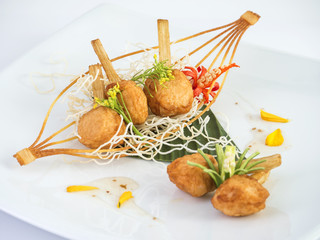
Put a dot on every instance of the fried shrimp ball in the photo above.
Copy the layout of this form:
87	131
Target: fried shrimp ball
174	98
134	99
240	195
98	126
191	179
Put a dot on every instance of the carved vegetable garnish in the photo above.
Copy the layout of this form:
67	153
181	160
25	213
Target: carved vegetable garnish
275	138
202	79
271	117
124	197
80	188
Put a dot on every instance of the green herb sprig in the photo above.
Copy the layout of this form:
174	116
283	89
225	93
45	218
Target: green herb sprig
159	72
227	165
113	103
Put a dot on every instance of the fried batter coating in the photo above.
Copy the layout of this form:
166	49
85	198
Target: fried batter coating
191	179
240	195
98	126
173	99
134	99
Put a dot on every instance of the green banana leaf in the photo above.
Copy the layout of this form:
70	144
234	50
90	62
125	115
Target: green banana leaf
214	129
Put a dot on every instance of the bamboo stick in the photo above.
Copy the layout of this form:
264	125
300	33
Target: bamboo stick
164	41
250	17
55	134
209	41
98	85
25	156
175	42
105	61
229	47
57	142
50	109
231	33
233	37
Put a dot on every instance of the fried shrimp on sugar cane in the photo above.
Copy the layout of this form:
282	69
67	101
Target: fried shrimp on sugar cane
236	193
191	179
124	98
240	195
134	99
170	98
170	92
98	126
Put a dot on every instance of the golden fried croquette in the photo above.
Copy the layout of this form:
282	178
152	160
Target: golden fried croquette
174	98
192	180
98	126
240	195
134	99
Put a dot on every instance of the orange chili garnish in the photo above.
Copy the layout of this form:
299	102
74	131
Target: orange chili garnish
201	79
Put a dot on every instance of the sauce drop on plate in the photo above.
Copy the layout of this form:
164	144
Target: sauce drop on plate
109	191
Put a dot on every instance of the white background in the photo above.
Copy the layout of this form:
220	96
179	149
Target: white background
286	26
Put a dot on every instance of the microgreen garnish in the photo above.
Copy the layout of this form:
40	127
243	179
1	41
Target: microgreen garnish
159	72
113	103
227	164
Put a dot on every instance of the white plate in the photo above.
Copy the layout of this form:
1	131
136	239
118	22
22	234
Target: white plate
280	83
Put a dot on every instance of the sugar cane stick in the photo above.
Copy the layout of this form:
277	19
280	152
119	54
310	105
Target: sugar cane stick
262	176
105	61
97	85
271	162
164	41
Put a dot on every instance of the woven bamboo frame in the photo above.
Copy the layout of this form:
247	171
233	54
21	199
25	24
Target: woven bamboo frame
232	34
